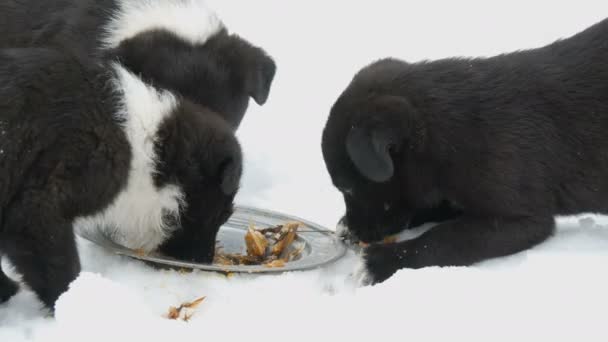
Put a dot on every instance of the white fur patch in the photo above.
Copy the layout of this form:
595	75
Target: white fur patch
135	218
361	275
341	229
192	20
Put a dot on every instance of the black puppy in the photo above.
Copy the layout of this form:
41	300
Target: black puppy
179	45
499	145
96	146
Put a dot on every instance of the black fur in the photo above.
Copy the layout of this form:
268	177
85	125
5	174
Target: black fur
221	74
8	287
209	177
499	145
63	155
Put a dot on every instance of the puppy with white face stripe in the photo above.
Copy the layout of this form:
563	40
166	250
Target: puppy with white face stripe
94	145
178	45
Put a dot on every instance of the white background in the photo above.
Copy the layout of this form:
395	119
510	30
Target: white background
557	291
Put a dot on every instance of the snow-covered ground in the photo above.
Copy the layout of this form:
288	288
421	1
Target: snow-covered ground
557	291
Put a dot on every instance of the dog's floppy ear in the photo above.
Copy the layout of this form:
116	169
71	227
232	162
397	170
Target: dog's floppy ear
230	174
228	158
369	151
256	69
260	75
391	123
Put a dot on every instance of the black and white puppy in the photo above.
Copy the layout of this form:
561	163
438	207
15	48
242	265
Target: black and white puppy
494	148
178	45
83	144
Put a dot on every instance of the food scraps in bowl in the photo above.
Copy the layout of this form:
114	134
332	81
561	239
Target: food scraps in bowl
270	247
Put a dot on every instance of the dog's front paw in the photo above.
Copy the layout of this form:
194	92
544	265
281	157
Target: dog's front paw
380	262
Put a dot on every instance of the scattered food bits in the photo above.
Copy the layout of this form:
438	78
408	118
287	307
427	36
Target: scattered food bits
187	316
175	313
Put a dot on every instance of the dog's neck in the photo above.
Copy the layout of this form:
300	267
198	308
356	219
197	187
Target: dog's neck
136	218
142	110
191	20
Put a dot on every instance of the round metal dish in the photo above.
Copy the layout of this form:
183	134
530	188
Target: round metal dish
321	246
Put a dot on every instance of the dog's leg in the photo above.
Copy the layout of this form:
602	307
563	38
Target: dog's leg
41	245
8	287
48	263
457	243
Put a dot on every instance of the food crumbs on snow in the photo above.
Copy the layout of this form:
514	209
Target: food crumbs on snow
175	313
271	247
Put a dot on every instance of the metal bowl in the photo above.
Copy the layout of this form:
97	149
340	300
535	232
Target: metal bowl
321	246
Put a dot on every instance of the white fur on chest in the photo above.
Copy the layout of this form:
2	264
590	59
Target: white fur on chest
135	219
191	20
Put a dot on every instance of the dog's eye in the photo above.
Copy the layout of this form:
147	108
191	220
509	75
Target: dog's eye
348	192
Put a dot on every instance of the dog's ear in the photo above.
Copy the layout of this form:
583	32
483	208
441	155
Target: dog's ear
254	66
227	158
197	145
259	76
390	125
230	171
224	158
156	56
369	151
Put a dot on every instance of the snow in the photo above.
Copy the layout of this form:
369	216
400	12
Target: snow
556	291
